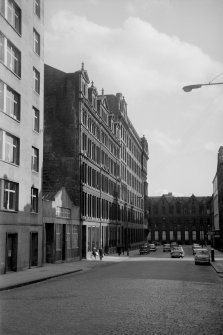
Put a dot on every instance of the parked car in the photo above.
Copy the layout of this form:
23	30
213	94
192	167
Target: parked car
195	246
202	256
166	247
144	250
152	247
177	252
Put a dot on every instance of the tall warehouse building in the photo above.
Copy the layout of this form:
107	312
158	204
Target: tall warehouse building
21	133
92	149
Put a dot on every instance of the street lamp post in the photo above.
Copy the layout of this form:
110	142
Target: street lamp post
189	88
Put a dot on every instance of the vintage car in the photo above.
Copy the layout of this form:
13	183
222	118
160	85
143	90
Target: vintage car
177	252
144	250
152	247
202	256
166	247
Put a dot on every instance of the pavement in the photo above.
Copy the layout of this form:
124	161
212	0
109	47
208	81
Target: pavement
13	280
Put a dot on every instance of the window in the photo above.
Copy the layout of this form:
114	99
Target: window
63	212
34	200
9	101
36	119
36	42
35	159
37	7
36	80
9	148
10	192
12	13
10	55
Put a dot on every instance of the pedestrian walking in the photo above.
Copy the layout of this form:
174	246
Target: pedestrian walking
119	250
100	251
94	252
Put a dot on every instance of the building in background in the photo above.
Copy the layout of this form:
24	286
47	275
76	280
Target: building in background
91	148
21	133
217	229
61	223
185	220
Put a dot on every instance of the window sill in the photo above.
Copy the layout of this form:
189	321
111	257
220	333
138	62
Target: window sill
15	74
17	32
12	211
36	172
11	117
13	164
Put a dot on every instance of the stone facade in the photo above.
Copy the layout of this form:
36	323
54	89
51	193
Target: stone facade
185	220
91	148
21	133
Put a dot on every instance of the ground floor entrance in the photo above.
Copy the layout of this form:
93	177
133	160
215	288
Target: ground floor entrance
33	249
11	252
61	242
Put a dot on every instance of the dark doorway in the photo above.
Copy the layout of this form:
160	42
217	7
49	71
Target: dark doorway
84	242
33	249
64	243
11	252
49	242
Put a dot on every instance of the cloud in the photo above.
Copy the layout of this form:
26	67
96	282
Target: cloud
168	144
131	55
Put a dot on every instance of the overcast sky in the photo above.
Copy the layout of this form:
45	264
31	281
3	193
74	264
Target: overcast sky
148	50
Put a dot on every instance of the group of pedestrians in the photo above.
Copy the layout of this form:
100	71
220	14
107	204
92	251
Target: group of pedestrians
98	253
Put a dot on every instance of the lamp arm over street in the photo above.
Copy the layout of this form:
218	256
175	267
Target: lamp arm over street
189	88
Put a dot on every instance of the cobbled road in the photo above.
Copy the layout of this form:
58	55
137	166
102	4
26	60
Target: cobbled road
144	295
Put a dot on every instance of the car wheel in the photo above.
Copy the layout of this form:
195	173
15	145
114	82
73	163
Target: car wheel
195	263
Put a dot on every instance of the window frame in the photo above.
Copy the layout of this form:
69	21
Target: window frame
36	80
35	159
10	195
9	148
36	120
5	101
34	200
37	8
36	42
10	56
16	14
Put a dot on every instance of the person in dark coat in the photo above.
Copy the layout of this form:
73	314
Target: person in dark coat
100	251
119	249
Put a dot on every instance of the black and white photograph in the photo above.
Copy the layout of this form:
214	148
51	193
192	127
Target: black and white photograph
111	167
